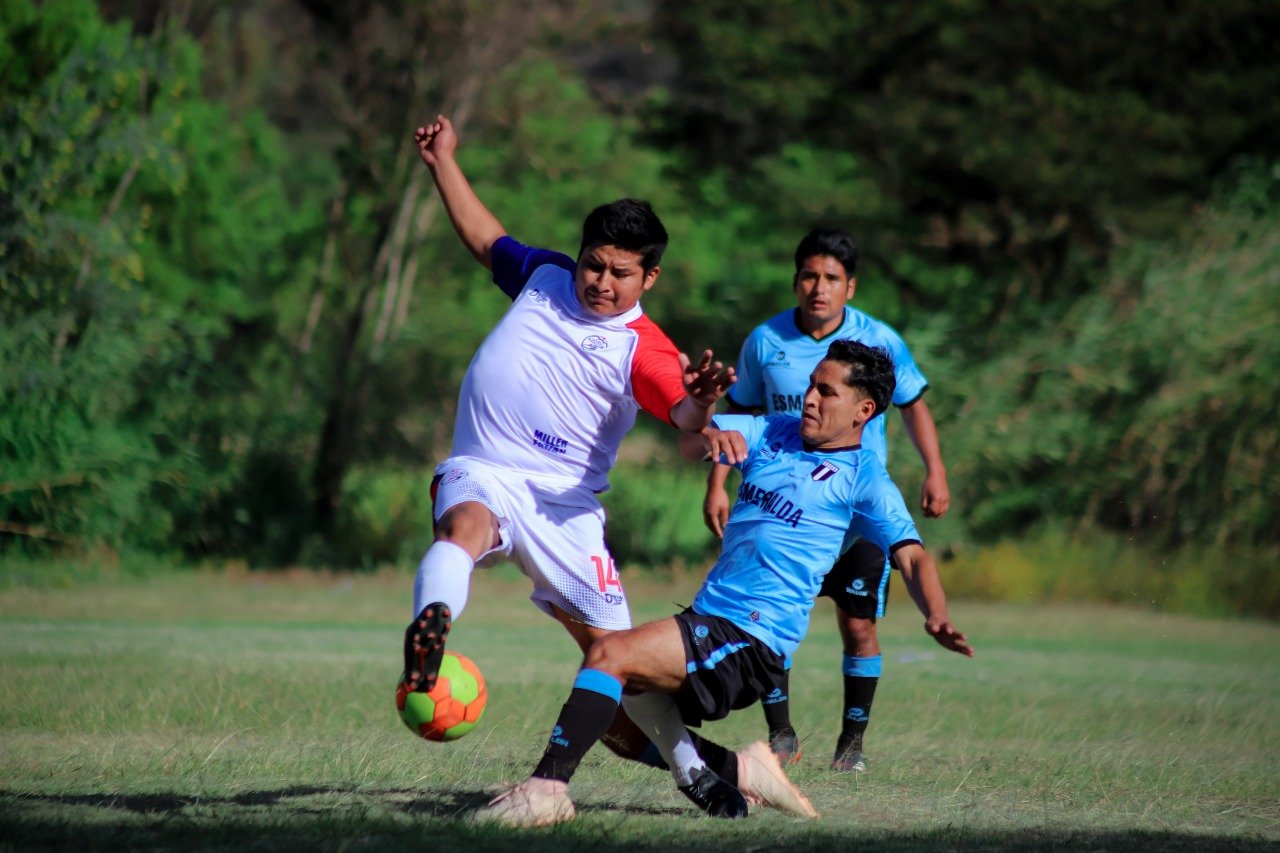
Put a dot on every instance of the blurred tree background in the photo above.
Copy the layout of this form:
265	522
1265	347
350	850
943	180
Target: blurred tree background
233	317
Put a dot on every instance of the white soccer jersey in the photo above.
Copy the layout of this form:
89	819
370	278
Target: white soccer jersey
553	388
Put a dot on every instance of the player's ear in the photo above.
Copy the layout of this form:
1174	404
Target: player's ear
651	277
866	409
850	287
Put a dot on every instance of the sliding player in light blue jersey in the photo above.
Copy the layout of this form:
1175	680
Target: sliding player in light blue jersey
773	373
809	488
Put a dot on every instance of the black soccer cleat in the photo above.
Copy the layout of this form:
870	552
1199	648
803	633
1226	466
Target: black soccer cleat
715	796
424	647
786	746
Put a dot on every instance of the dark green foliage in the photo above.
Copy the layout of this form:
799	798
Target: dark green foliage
233	317
1149	406
141	239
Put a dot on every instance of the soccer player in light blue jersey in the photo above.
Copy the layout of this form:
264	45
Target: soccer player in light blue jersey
773	373
809	487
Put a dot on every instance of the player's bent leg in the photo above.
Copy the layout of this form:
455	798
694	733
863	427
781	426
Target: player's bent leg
441	587
623	737
658	716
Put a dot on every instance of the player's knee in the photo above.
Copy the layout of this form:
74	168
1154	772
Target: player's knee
469	525
606	654
860	631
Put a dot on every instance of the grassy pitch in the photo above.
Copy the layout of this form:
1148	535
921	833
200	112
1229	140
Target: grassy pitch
211	711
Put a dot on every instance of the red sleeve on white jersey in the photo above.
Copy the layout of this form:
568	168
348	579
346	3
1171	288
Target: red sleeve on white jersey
656	380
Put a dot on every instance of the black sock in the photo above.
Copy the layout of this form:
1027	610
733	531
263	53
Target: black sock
584	718
861	675
777	707
722	761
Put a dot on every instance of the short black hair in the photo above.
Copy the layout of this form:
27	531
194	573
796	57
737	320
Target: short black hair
829	241
630	224
868	368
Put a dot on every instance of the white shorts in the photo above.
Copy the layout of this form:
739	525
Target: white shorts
555	535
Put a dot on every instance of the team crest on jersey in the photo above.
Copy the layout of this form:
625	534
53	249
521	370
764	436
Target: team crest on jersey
591	343
538	296
823	471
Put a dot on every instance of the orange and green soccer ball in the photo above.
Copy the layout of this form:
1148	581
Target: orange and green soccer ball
454	705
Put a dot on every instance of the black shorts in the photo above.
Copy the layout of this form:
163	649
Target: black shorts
728	668
859	581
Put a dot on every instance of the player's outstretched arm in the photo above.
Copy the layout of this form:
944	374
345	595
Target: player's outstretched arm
935	495
476	226
920	573
704	384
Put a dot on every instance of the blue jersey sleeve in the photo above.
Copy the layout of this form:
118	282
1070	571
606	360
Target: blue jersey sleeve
513	263
748	391
751	427
910	381
880	514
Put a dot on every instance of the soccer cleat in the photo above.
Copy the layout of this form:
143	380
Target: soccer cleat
714	795
761	780
527	804
424	647
786	746
849	760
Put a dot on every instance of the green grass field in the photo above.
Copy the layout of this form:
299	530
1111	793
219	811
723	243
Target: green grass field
213	711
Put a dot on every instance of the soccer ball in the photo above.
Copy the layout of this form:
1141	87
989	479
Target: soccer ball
454	705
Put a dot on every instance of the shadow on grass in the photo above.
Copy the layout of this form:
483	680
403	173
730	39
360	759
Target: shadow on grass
364	818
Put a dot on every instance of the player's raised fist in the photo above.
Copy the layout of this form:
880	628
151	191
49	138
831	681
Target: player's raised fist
436	140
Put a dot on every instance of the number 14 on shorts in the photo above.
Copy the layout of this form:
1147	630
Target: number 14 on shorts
607	573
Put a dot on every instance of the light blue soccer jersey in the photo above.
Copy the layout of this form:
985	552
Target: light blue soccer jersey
777	358
796	510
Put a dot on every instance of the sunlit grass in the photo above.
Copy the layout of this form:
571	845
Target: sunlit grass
207	709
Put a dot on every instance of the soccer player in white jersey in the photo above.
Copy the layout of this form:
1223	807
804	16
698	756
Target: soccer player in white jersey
809	487
545	402
773	372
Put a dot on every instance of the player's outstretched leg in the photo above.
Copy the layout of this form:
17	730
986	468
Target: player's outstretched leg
714	795
424	646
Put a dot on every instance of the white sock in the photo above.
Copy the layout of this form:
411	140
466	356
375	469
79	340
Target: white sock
657	716
443	575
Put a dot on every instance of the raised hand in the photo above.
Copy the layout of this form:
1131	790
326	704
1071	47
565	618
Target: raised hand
707	381
436	140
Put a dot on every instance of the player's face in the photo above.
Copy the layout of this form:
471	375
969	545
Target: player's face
833	412
822	288
610	281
